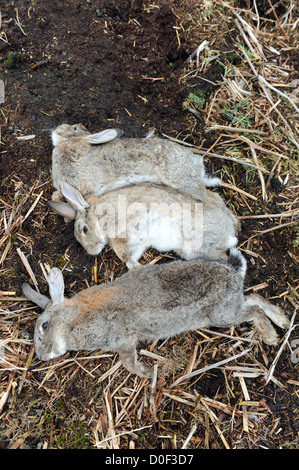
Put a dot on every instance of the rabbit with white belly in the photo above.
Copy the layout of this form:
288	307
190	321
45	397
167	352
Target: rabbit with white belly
134	218
96	169
156	302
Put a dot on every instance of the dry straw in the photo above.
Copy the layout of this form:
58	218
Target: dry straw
208	391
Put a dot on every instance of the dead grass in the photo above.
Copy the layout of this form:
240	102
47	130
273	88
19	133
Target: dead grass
212	389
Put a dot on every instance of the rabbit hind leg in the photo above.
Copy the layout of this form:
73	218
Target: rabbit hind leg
272	311
264	326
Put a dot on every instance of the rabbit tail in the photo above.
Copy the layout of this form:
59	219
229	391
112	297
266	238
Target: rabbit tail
211	181
237	260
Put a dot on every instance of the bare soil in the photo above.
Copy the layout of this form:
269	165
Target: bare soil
120	64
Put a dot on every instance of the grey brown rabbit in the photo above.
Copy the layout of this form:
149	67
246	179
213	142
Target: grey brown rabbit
134	218
97	169
158	301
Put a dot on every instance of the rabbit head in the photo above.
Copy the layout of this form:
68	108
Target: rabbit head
50	329
66	133
88	230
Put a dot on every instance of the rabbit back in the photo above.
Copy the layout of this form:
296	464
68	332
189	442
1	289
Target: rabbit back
121	162
163	300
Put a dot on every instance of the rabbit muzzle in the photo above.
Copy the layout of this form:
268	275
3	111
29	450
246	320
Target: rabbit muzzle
46	352
95	249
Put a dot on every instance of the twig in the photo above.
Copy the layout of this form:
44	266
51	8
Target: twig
240	90
111	430
216	155
177	140
250	32
278	22
264	193
244	389
5	395
109	372
213	419
236	129
270	216
245	37
33	206
154	79
28	268
178	399
241	191
276	90
26	137
144	352
271	229
193	429
231	159
17	21
258	147
212	366
153	385
123	434
277	227
257	14
197	51
274	363
236	338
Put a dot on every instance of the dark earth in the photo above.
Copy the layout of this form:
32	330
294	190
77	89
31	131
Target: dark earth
117	64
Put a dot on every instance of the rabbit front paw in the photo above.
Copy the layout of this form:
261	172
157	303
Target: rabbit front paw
128	356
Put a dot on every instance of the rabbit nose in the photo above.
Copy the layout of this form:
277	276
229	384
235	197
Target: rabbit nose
95	249
47	354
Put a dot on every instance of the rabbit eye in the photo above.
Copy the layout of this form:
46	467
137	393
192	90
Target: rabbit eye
45	325
85	229
74	128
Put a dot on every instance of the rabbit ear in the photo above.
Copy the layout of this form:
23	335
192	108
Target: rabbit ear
104	136
37	298
63	208
73	197
56	286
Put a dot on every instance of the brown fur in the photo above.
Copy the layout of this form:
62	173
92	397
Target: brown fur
118	245
91	302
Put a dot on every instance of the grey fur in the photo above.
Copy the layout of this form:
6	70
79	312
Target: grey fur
153	216
97	169
152	303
